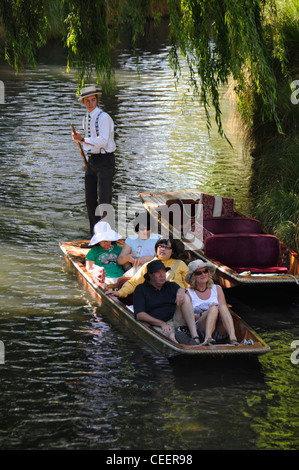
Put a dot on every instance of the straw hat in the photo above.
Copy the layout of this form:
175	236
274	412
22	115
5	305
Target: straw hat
88	91
103	232
199	264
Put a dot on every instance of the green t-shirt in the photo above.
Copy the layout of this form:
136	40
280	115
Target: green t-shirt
107	259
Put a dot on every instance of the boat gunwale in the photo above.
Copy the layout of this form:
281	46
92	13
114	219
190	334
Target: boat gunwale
150	335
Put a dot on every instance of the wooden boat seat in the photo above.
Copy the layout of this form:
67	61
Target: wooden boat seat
217	225
258	253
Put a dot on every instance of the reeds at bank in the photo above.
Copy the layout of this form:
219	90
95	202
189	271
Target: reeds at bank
275	175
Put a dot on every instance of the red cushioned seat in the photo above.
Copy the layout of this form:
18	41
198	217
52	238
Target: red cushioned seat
257	253
218	225
214	206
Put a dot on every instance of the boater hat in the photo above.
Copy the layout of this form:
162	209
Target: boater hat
154	266
103	232
88	91
199	264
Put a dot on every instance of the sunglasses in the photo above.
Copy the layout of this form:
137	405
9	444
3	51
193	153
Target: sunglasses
199	273
165	247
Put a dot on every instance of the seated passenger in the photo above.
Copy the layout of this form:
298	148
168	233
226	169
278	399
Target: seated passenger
213	318
163	304
166	250
101	260
141	249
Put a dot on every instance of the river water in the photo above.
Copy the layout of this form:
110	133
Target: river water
71	378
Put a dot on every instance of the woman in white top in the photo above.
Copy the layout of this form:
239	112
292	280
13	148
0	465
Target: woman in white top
141	249
211	312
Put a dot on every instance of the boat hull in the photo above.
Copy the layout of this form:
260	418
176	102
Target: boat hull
75	252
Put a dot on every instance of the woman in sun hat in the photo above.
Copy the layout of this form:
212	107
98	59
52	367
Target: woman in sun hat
98	143
213	318
101	260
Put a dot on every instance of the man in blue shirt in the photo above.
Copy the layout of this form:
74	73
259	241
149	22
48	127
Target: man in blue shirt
164	304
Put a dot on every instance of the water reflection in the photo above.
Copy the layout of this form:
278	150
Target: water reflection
72	377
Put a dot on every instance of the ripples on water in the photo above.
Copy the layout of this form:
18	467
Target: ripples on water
72	379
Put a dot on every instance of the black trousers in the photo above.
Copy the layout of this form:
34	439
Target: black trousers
98	184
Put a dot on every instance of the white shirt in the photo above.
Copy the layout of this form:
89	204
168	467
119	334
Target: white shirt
200	305
99	132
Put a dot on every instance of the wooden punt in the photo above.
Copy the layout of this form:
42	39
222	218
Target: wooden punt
250	343
226	276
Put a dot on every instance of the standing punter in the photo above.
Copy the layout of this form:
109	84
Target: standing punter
99	145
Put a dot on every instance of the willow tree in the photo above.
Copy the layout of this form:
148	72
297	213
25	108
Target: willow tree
24	26
223	39
219	39
89	30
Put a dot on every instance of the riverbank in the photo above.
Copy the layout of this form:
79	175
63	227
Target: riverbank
275	177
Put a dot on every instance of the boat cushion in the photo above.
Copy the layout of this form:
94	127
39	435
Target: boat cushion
218	225
216	206
245	252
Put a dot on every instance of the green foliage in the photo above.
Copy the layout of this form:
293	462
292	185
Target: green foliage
89	31
279	211
133	14
25	30
54	14
227	38
87	39
275	178
218	38
92	29
275	190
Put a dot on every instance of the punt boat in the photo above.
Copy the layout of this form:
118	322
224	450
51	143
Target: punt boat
213	230
250	342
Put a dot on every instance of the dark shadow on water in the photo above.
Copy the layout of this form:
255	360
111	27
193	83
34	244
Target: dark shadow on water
266	298
217	372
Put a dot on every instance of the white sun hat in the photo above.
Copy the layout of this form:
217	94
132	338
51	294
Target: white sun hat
88	91
103	232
